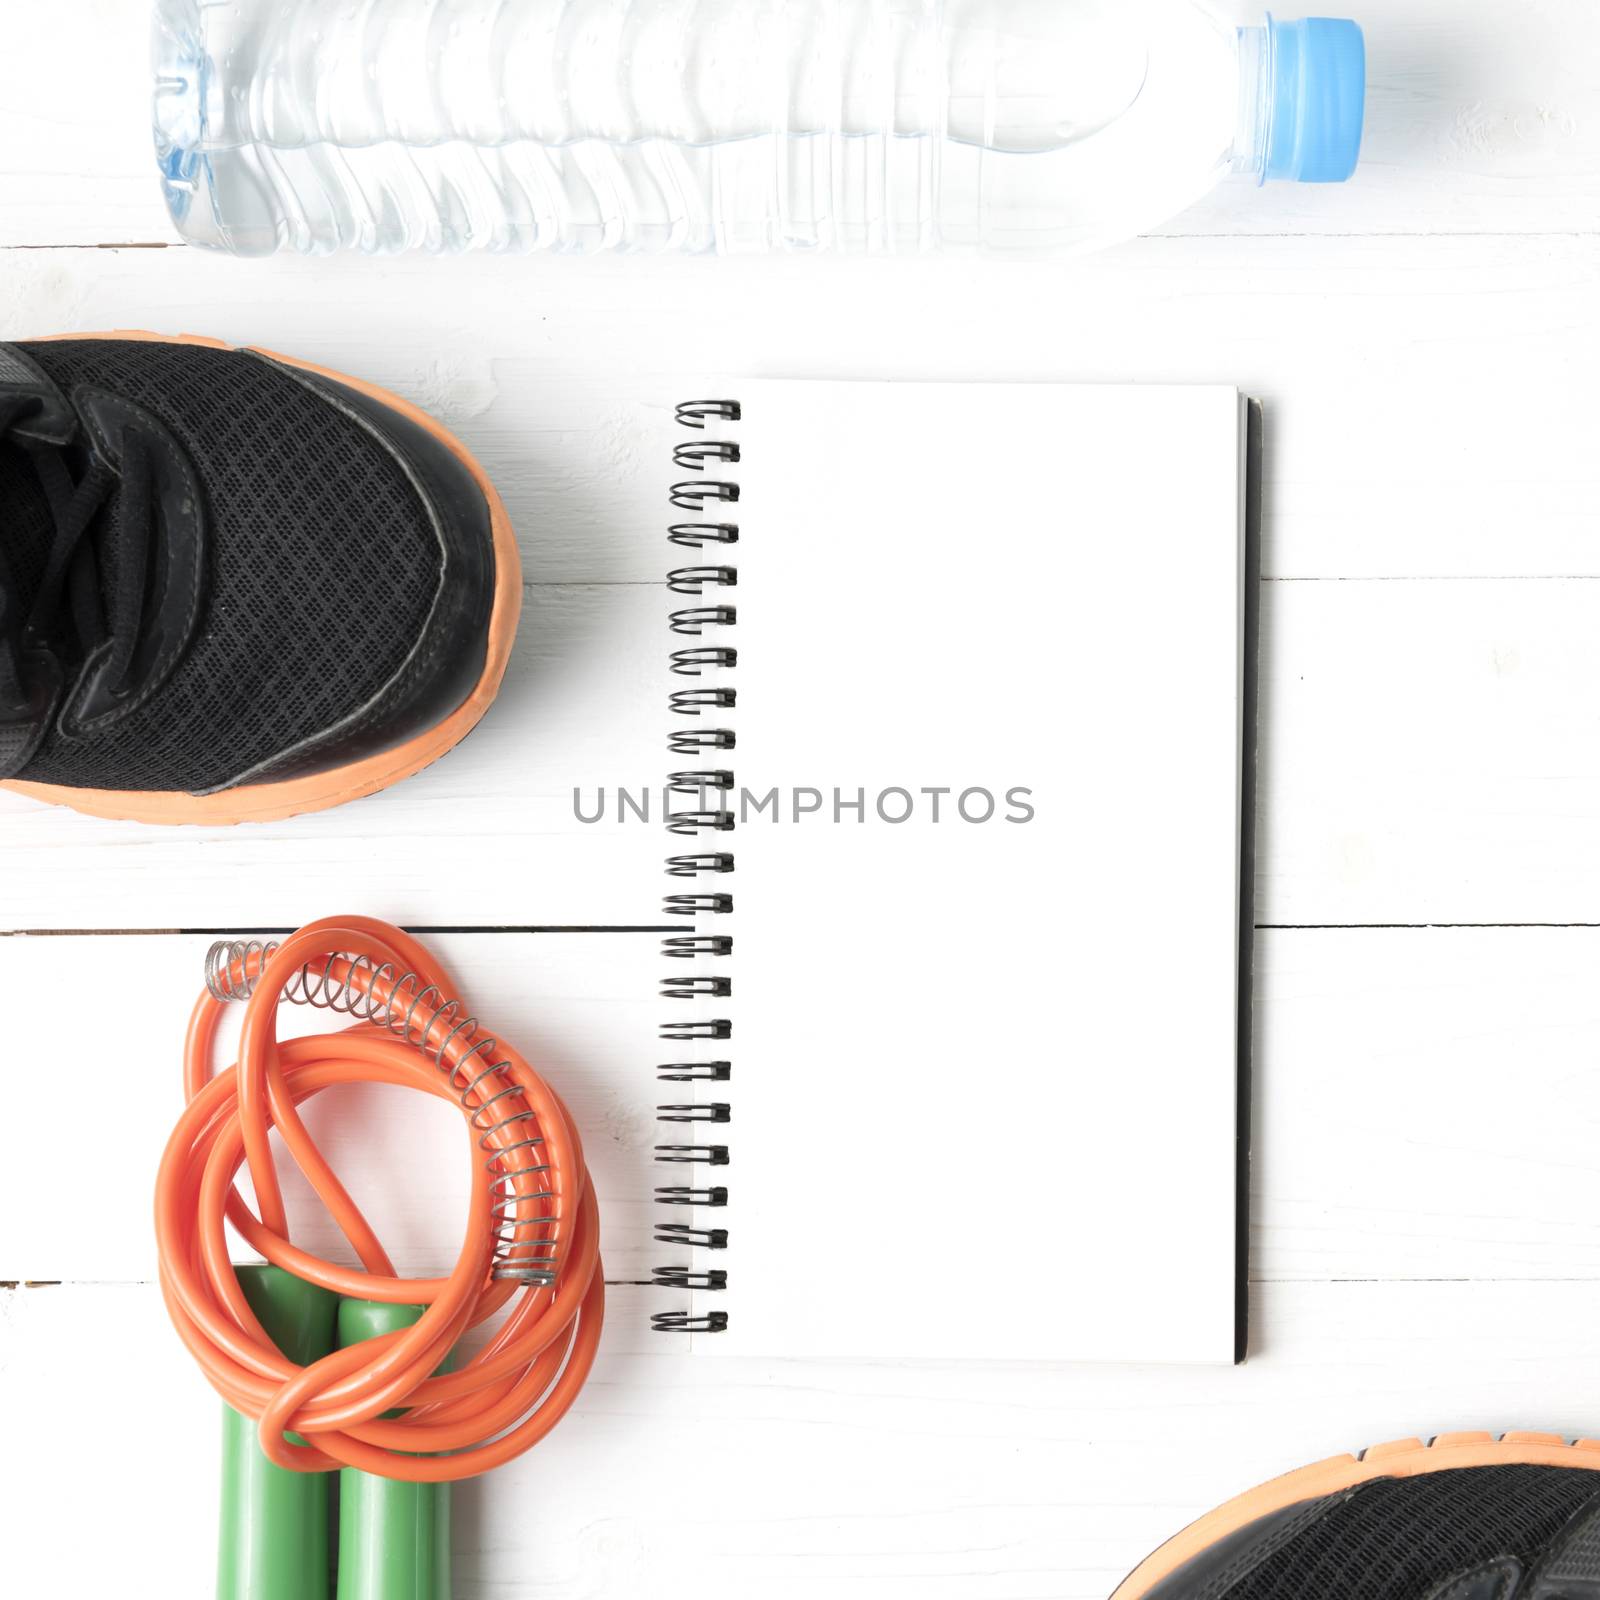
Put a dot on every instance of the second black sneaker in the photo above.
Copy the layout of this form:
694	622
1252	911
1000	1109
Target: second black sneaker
1465	1517
234	586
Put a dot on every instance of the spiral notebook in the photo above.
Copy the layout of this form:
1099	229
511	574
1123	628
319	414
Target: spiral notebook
958	834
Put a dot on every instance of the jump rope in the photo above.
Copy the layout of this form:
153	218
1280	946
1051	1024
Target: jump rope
352	1370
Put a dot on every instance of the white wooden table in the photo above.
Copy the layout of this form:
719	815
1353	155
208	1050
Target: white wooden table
1427	1212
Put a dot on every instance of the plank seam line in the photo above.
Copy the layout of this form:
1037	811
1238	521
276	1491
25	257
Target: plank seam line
1421	577
666	927
1162	237
228	933
19	1284
1419	927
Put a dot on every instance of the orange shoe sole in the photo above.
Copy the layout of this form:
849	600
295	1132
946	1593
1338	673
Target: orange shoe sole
1403	1458
270	802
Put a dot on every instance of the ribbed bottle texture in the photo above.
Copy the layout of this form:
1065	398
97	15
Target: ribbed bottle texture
738	125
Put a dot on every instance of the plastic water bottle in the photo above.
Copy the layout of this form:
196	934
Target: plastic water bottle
733	125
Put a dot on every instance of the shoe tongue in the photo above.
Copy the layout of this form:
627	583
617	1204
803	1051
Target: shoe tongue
26	526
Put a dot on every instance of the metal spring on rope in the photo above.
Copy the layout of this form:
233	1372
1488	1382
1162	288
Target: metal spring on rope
380	994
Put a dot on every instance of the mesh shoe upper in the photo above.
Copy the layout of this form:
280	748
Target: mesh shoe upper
1497	1532
323	564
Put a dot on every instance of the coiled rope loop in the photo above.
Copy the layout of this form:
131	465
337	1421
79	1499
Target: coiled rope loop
518	1386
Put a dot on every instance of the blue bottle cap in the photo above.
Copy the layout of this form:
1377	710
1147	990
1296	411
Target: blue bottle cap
1319	91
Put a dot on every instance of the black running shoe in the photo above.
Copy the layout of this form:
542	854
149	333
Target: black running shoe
1467	1517
234	586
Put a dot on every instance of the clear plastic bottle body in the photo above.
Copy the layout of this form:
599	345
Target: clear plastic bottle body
696	125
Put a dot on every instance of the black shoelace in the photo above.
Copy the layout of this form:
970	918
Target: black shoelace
70	588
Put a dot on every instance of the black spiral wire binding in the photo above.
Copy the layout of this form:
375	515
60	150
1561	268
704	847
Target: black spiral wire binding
693	1155
694	988
691	702
688	741
703	658
696	580
692	535
696	783
691	905
693	866
694	1071
691	822
694	620
696	413
698	803
685	947
695	456
696	1238
694	494
685	1322
684	1278
718	1111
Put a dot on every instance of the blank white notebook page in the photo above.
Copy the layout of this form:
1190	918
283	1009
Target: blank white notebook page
985	1048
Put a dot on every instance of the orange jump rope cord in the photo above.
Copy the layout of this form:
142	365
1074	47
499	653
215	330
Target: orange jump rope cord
514	1390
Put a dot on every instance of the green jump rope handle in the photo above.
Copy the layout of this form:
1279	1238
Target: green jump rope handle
394	1538
273	1542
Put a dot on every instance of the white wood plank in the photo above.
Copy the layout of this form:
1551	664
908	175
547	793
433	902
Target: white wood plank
1429	410
1425	1104
704	1479
1422	1107
1425	758
582	1007
1480	118
78	166
1429	414
583	708
1421	1099
1428	753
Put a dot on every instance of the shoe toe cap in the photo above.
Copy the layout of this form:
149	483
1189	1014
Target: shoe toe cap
448	655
